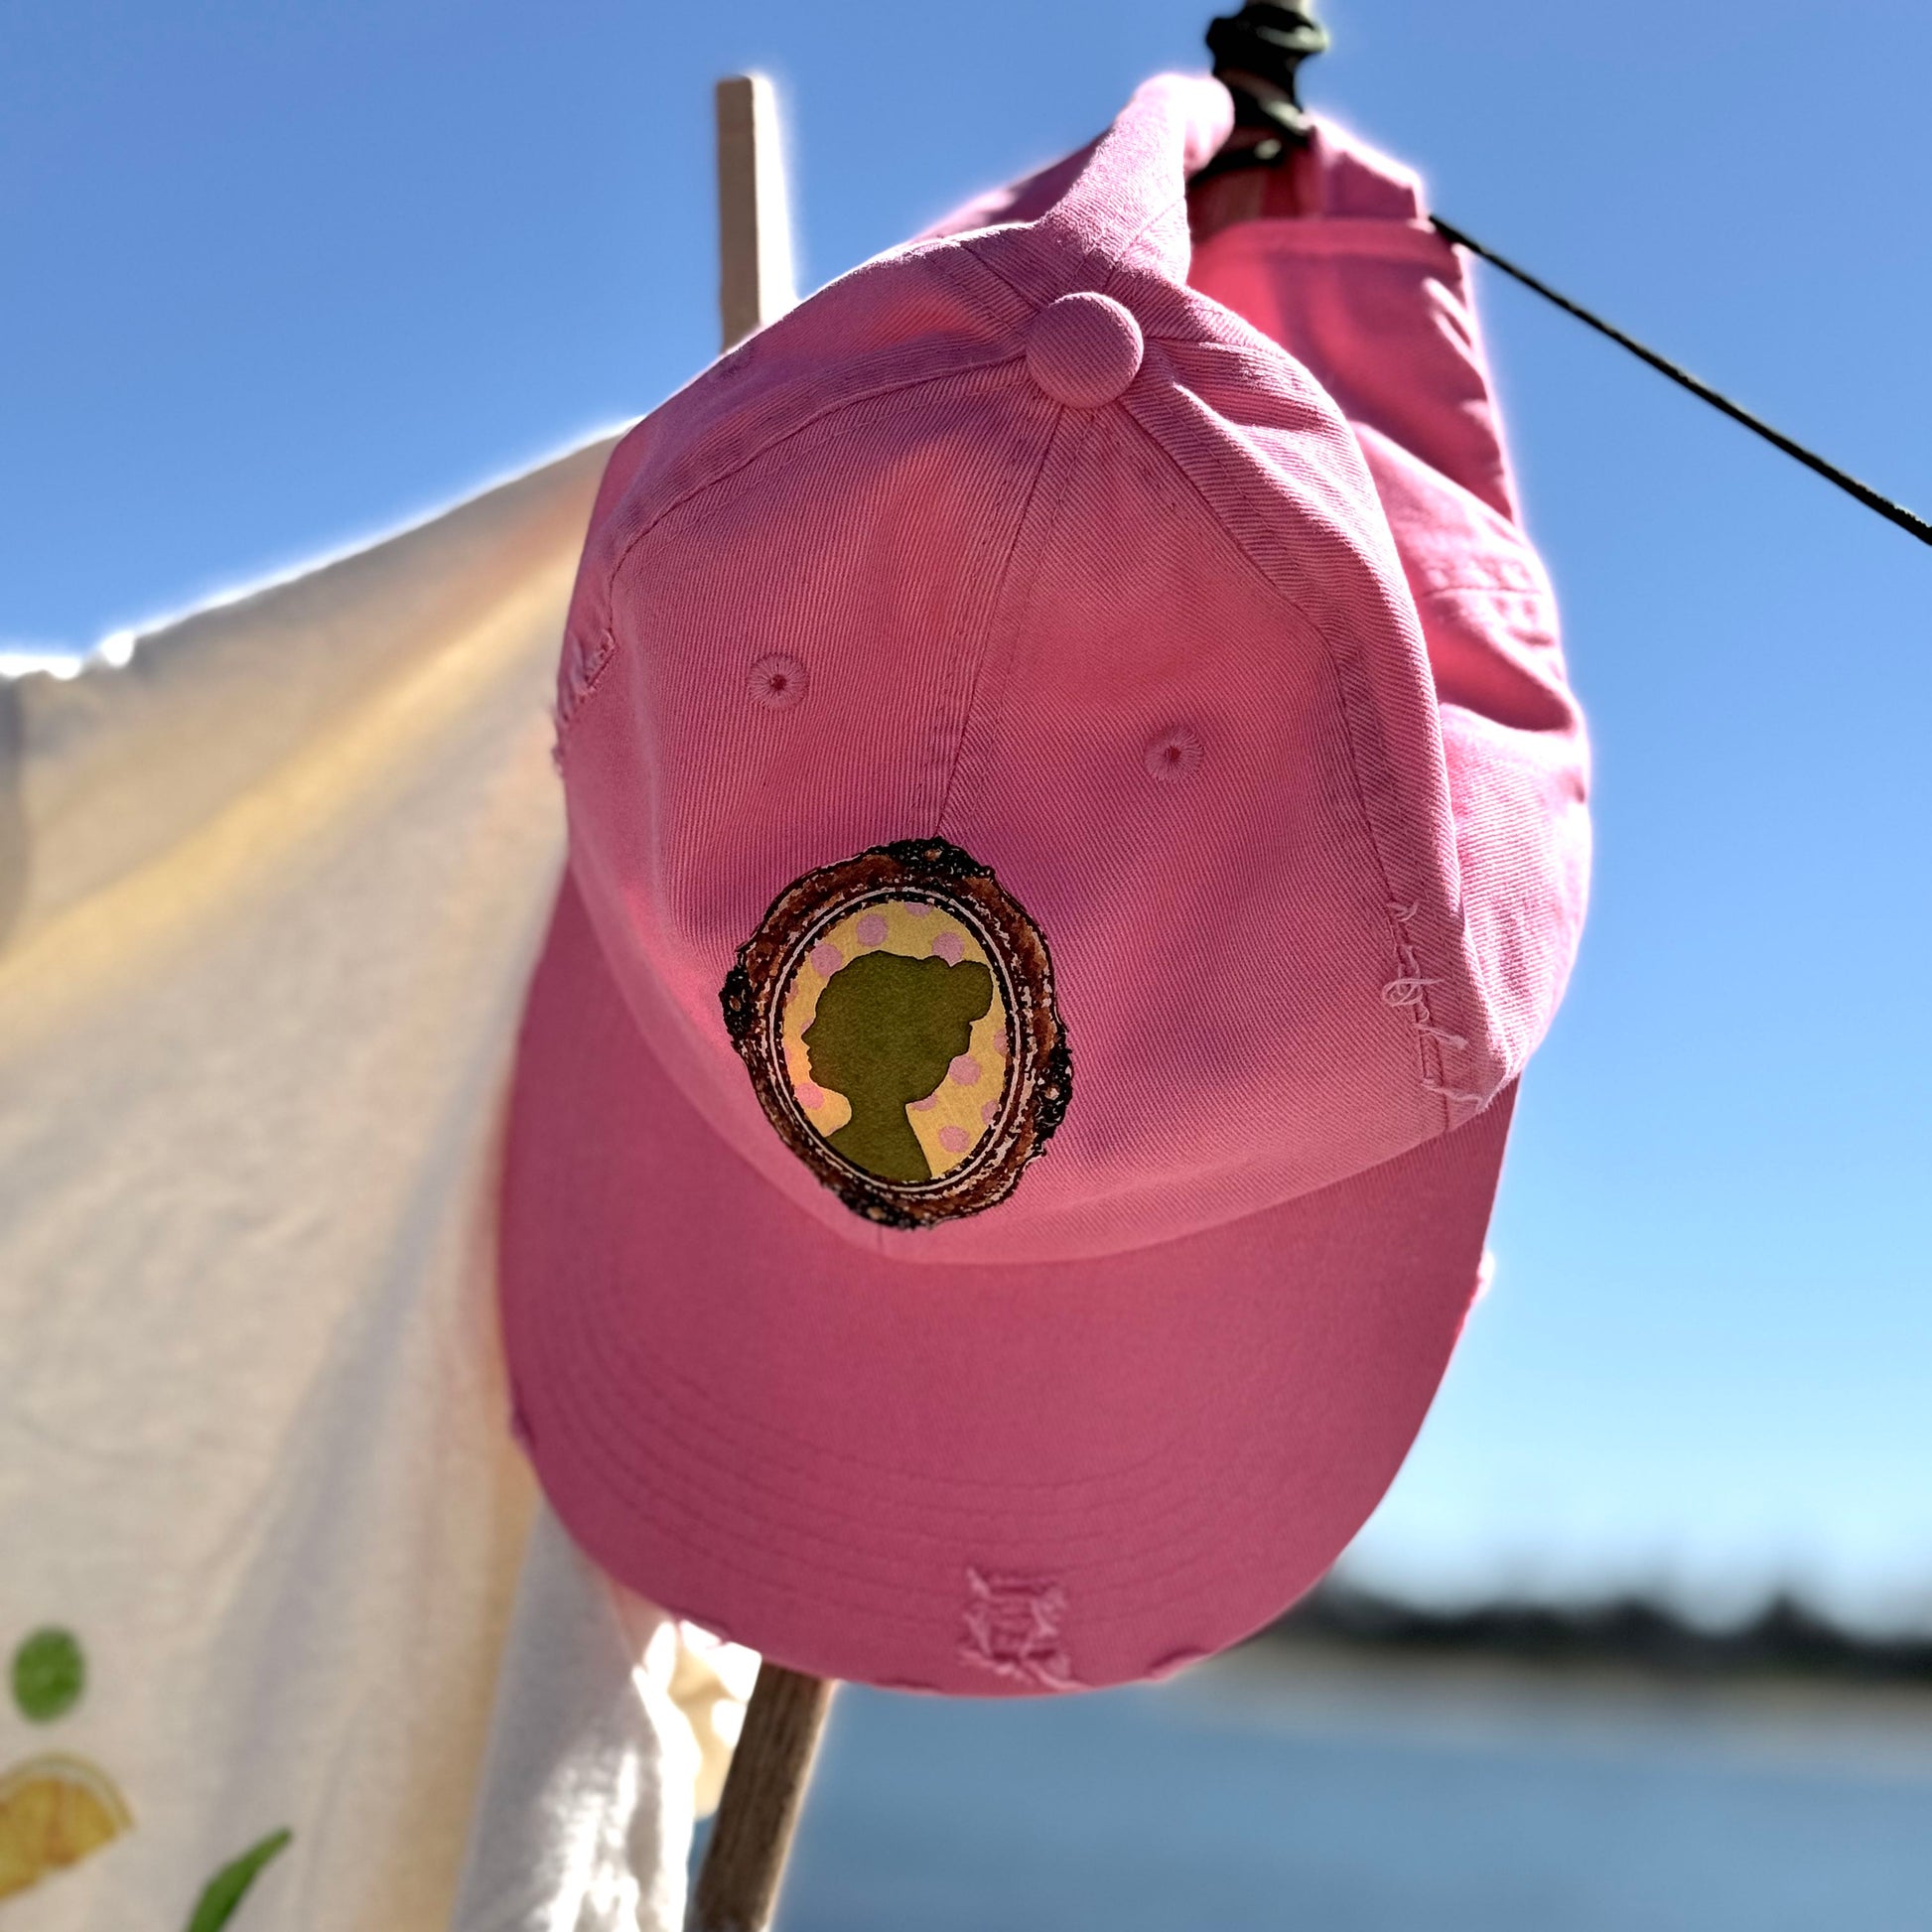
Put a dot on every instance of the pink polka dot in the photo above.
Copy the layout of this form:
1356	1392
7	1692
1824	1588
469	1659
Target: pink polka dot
926	1105
949	946
955	1140
810	1096
990	1112
826	959
964	1071
916	908
871	929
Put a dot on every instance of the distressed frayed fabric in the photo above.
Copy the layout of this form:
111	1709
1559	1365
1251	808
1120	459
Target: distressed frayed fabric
1180	602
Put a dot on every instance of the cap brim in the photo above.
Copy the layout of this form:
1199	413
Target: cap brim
954	1477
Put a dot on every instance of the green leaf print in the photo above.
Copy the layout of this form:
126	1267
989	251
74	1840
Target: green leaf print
226	1890
48	1675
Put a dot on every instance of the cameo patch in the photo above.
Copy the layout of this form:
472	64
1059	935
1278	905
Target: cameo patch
895	1012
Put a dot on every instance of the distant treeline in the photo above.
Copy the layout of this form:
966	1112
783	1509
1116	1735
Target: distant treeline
1786	1637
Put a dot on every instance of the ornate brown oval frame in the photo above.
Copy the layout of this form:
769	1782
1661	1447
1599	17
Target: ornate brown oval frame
1039	1074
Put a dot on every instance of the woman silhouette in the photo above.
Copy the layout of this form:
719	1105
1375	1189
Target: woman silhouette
886	1031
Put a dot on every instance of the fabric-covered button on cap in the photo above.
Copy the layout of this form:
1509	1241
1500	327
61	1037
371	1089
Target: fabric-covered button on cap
1084	349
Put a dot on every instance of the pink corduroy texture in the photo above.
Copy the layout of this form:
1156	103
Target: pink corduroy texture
1186	590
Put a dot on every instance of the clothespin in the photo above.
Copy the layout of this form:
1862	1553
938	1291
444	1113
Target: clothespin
1258	53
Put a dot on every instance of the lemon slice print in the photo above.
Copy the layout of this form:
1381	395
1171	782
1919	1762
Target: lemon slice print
54	1812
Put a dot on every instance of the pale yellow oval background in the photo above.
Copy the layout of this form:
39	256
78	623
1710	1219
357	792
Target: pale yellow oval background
952	1120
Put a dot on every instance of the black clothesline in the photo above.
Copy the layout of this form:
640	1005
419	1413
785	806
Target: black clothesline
1865	495
1258	52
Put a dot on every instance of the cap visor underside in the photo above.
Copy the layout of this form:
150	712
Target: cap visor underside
954	1477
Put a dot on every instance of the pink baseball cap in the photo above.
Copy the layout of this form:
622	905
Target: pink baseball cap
1076	823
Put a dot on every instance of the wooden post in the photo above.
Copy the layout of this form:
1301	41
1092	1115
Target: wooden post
755	283
764	1790
737	1889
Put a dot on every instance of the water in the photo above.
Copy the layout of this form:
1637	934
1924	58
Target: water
1269	1792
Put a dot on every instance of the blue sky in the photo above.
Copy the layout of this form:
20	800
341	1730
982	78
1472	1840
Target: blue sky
278	278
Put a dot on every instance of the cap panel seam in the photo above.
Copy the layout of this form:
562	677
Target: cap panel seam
1396	911
1134	240
997	609
975	245
949	255
690	495
779	441
971	244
